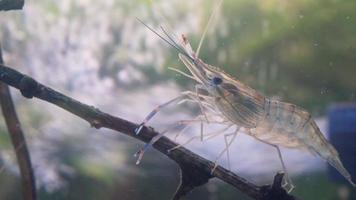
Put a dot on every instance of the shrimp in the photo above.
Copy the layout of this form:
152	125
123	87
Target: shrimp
272	122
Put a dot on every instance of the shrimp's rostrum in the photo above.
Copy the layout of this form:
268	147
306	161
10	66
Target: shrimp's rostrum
270	121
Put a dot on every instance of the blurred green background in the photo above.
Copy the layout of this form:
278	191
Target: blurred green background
96	51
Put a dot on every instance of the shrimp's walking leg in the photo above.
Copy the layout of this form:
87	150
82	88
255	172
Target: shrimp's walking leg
227	144
197	119
180	132
201	131
226	149
183	130
154	112
186	127
288	179
197	87
207	136
188	94
142	151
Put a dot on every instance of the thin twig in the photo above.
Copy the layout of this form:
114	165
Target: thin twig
18	141
187	160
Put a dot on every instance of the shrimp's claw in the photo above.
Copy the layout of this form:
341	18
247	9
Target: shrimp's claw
140	153
213	169
139	128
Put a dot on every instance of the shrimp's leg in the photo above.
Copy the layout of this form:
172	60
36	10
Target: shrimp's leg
197	119
288	180
180	132
216	133
185	128
188	94
207	136
201	131
200	117
197	87
185	143
142	151
226	149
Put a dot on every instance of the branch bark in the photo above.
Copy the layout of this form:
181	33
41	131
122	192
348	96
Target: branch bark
18	141
190	163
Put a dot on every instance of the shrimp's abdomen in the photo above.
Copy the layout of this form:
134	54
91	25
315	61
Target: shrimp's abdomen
283	124
290	126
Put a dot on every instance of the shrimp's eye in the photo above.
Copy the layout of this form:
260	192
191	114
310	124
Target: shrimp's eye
217	80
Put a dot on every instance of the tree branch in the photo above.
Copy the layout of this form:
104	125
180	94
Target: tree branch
190	163
18	141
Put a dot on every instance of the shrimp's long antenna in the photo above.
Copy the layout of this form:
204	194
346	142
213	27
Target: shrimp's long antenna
208	25
168	41
171	39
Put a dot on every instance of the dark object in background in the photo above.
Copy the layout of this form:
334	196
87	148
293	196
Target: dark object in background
342	134
11	4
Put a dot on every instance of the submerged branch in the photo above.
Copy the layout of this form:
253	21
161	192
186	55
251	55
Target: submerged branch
18	141
190	163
